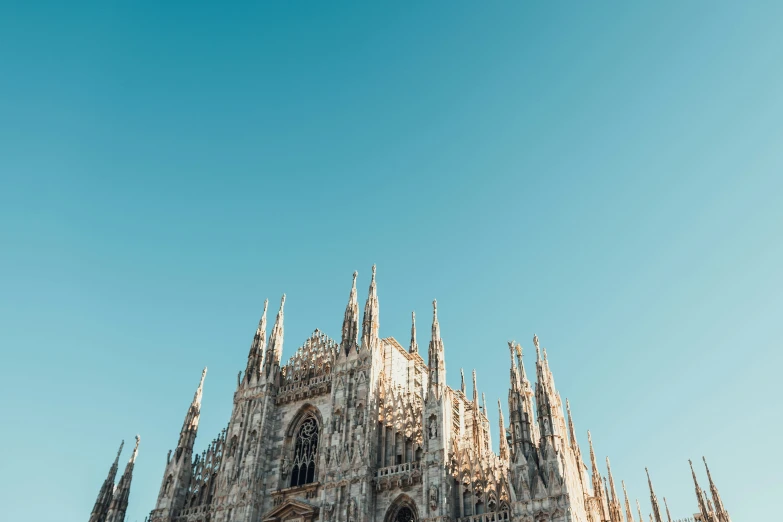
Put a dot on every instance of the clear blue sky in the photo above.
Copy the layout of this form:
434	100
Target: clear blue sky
606	176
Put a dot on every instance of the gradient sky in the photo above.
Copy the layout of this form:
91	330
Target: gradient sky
608	176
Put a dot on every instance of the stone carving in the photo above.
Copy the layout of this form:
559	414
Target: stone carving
433	497
328	508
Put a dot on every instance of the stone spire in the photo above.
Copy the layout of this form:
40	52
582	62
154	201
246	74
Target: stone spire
653	499
350	340
520	403
119	502
720	511
514	373
639	510
572	435
503	444
484	404
103	501
550	409
275	349
414	348
628	514
436	358
598	491
370	339
462	381
187	435
666	505
615	512
699	495
255	359
179	468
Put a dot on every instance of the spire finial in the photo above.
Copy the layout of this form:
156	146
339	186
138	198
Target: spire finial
200	389
435	323
462	380
135	450
355	273
475	388
484	403
414	348
119	451
538	350
373	272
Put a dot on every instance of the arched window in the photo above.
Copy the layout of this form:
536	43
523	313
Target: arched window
305	450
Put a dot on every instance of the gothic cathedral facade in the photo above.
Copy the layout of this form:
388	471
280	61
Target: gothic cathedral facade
366	430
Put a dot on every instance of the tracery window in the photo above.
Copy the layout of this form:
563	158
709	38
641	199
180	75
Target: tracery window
305	452
404	514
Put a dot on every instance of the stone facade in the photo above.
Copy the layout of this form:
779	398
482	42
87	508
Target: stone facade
366	430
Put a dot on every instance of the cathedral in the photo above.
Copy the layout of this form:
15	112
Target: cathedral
366	430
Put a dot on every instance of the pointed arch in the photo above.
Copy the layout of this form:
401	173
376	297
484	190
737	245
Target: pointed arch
302	441
403	509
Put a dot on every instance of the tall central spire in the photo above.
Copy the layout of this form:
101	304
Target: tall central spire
350	338
370	339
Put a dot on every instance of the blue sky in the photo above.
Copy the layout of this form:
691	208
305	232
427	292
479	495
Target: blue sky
606	176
